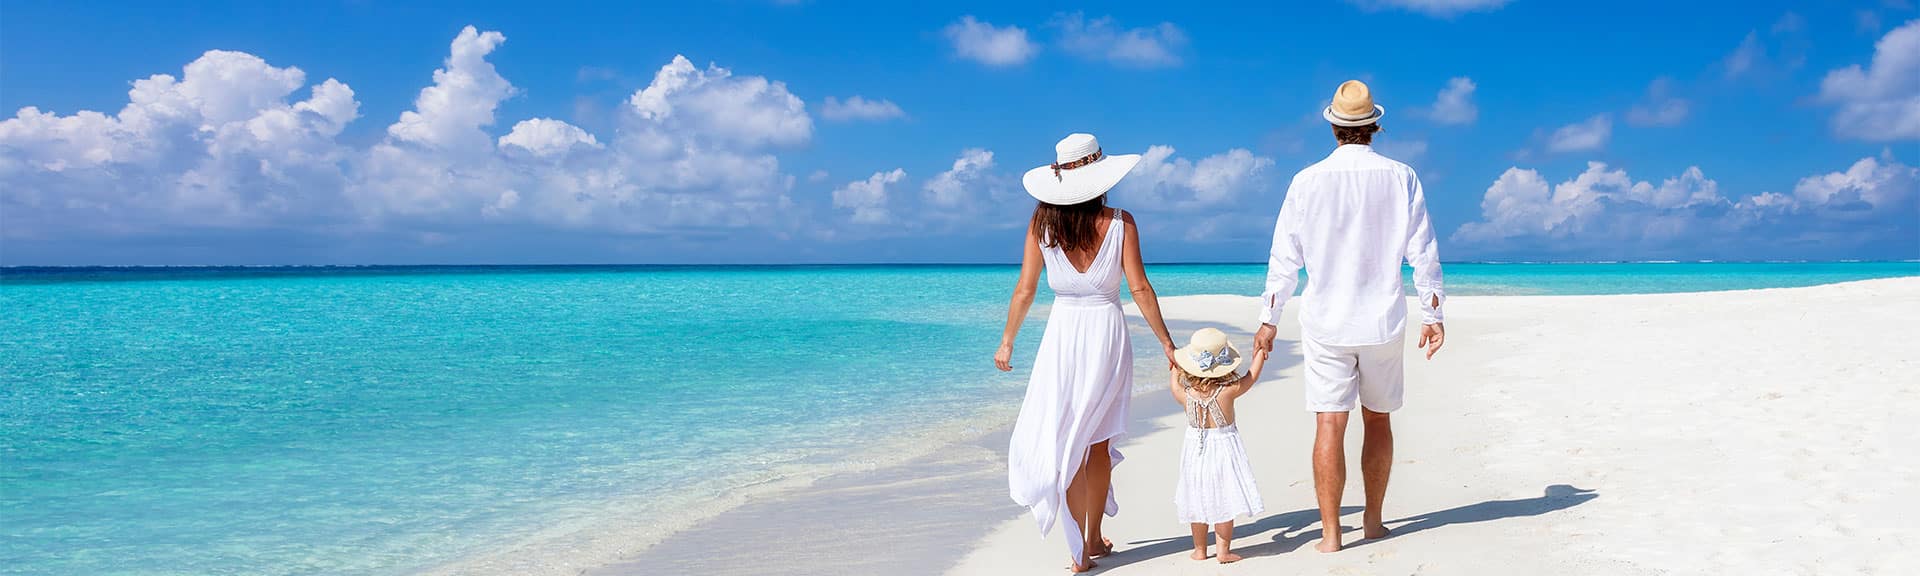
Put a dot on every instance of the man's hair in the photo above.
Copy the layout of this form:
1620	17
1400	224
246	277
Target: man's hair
1355	134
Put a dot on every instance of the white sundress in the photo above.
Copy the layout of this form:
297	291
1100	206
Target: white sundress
1216	484
1080	388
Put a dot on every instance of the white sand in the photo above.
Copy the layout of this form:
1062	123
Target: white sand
1754	432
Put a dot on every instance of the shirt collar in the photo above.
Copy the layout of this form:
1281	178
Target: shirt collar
1351	148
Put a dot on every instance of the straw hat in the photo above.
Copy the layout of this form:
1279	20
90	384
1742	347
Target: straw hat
1080	172
1353	105
1208	354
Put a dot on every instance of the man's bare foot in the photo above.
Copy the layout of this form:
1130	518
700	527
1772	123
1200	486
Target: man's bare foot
1229	558
1104	549
1327	546
1198	555
1082	567
1378	531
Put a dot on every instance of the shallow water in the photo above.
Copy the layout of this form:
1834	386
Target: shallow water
383	420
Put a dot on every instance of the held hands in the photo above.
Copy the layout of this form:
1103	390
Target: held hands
1263	339
1432	336
1003	359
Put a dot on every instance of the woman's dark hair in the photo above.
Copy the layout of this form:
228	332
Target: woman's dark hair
1070	227
1355	134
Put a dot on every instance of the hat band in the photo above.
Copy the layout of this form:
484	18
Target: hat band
1336	114
1083	161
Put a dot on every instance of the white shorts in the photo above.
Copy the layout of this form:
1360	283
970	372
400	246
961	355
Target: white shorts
1339	375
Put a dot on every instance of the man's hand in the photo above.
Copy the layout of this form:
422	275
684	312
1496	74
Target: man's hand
1263	339
1432	336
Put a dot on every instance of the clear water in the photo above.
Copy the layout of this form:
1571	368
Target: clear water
370	421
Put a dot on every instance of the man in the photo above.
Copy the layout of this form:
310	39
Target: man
1350	220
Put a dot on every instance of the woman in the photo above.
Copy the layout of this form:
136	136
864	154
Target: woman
1061	452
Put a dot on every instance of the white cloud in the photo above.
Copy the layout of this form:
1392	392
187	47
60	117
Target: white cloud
455	109
1101	39
867	199
955	186
224	147
989	44
1591	134
1882	101
1162	181
547	137
818	176
858	108
1745	57
1454	105
219	147
1661	107
1603	212
1436	8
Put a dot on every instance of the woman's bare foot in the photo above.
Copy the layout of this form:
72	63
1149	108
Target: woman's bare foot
1378	531
1104	549
1198	555
1229	558
1082	567
1327	546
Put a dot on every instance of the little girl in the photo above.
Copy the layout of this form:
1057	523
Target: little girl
1215	482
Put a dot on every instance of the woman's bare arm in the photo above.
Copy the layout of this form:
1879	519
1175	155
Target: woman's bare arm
1023	290
1142	290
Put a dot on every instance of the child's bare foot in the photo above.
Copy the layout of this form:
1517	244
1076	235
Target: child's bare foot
1198	555
1377	531
1229	558
1327	546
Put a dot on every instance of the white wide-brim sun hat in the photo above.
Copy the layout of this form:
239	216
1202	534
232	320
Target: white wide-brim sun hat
1353	105
1081	171
1208	354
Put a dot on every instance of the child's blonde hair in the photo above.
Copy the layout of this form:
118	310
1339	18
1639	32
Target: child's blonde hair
1205	385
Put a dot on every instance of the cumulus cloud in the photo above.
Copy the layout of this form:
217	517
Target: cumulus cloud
988	44
1882	101
1436	8
1101	39
1605	213
858	108
1660	107
954	187
1454	105
228	146
220	147
1591	134
1162	181
546	137
867	199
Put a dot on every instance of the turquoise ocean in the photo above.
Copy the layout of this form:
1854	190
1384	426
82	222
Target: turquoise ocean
389	420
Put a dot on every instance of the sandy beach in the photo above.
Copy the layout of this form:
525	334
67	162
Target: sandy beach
1749	432
1745	432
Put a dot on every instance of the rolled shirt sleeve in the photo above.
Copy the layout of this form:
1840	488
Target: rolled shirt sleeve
1283	261
1423	253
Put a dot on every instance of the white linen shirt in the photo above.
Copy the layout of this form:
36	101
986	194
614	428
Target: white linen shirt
1351	219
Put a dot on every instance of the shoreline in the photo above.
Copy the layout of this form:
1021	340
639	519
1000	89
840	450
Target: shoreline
915	513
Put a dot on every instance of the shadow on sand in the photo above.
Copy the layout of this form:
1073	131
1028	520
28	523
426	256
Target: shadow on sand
1291	529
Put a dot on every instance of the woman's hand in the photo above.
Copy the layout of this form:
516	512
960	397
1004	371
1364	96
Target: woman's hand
1168	349
1003	359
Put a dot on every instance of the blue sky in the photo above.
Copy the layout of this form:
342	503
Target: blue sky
729	132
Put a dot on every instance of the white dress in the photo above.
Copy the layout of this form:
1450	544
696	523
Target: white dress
1081	384
1216	484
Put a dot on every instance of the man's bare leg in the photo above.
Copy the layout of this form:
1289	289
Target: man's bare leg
1376	464
1329	474
1224	532
1099	480
1199	541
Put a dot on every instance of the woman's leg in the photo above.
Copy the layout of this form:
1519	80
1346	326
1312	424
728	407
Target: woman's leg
1077	508
1099	472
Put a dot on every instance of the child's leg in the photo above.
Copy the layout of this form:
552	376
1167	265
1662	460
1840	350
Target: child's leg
1224	531
1199	541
